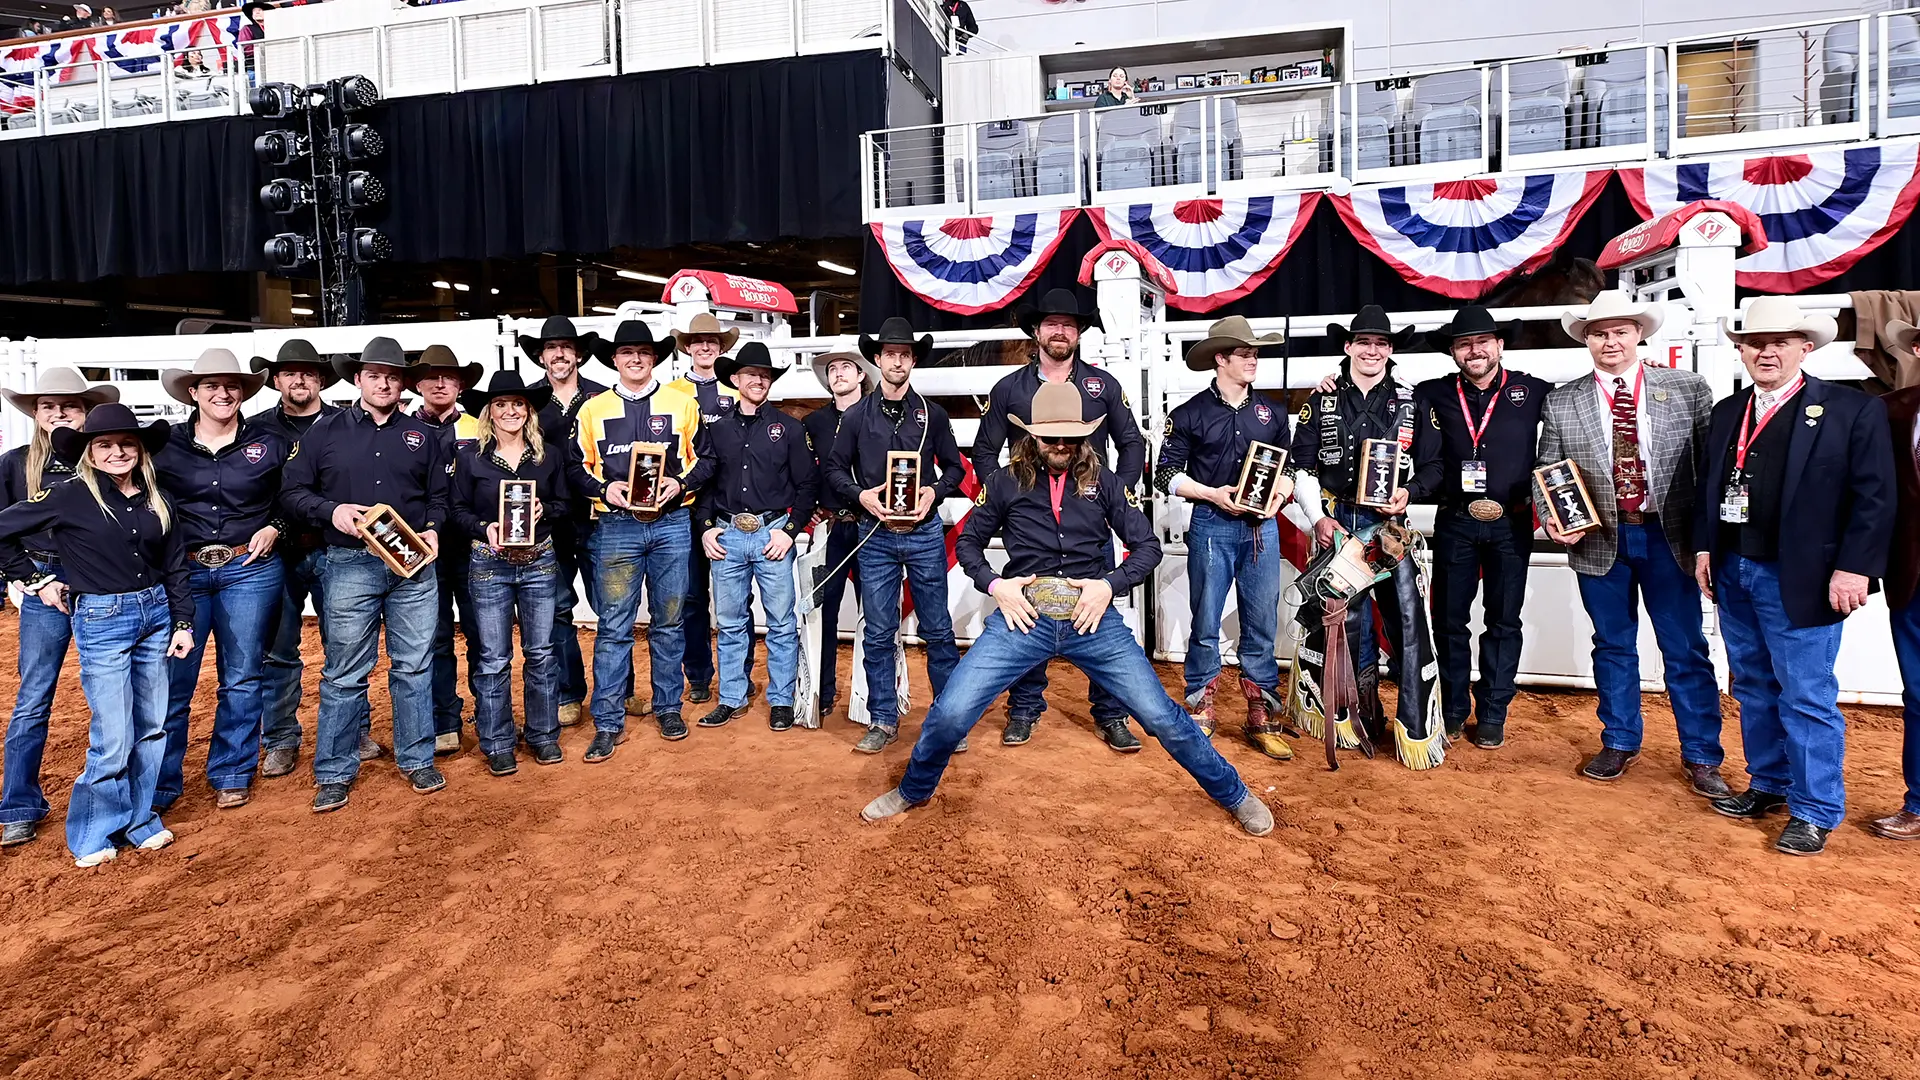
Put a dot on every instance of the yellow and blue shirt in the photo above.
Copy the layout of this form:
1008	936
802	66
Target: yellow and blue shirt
610	423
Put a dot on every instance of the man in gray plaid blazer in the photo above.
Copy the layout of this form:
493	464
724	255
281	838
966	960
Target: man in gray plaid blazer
1634	431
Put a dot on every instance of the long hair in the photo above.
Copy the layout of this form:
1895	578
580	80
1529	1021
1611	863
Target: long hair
39	452
90	476
531	433
1028	465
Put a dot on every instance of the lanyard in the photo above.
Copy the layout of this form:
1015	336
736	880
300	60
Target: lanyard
1475	432
1639	381
1745	440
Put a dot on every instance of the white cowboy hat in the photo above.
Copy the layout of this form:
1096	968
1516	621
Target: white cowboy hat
1780	315
1613	304
61	382
179	382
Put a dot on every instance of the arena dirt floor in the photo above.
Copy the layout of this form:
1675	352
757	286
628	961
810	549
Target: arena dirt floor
715	908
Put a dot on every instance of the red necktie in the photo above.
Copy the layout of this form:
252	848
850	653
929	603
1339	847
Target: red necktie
1629	472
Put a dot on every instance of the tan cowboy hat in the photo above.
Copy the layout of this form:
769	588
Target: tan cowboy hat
1780	315
440	360
1613	304
179	382
1057	408
1232	332
704	325
869	375
61	382
1901	334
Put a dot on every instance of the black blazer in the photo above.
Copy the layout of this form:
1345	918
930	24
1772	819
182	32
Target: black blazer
1837	510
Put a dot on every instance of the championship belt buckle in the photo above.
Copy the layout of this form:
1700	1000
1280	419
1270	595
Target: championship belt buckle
646	516
747	523
1486	510
214	556
1052	597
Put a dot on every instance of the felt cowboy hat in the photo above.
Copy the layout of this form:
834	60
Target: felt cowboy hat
559	328
633	332
179	382
1780	315
1468	321
297	351
505	384
754	354
896	331
1900	334
380	352
869	375
61	382
1057	408
439	360
1056	302
1613	304
1372	319
108	418
1232	332
705	325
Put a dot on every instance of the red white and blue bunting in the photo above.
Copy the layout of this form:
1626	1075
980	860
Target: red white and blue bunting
972	265
1218	250
127	53
1822	211
1463	237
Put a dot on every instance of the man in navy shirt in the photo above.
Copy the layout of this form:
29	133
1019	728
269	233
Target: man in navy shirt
561	350
847	376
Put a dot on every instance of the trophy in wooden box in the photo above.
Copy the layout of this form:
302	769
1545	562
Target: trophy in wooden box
390	537
902	499
516	513
1564	498
646	469
1259	474
1379	472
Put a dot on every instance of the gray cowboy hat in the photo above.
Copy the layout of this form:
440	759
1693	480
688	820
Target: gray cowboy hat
869	375
61	382
380	352
108	418
297	351
179	382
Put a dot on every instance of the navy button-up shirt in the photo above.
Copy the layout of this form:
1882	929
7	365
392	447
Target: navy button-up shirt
1507	447
1100	395
347	458
112	545
13	488
1075	545
1207	439
859	459
761	465
474	501
223	496
823	431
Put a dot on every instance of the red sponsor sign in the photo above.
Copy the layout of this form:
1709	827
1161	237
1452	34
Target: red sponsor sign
1663	232
733	292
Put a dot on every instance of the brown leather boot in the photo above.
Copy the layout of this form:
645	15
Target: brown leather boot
1200	707
1262	731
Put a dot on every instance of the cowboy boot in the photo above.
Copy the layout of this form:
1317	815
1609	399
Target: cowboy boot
1200	706
1370	720
1262	731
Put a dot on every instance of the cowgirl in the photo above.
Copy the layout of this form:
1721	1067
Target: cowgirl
126	588
508	579
60	399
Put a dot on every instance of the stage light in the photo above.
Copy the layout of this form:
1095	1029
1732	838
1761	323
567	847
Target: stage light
605	310
358	142
461	286
353	93
361	190
828	264
635	275
280	148
285	196
370	246
288	250
441	284
301	310
495	292
275	100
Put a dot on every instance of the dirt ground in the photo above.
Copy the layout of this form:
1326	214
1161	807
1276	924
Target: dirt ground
714	908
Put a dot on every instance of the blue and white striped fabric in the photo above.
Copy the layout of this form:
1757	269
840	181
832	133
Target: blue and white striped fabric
1218	250
972	265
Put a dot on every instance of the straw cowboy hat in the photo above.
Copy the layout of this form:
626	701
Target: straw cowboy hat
869	375
1056	414
505	384
61	382
1613	304
559	328
179	382
380	352
633	332
1056	302
754	354
1780	315
439	360
297	351
1468	322
896	331
705	325
1232	332
108	418
1372	319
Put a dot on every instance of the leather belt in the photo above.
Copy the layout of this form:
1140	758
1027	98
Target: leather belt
1637	517
43	557
517	556
846	515
214	556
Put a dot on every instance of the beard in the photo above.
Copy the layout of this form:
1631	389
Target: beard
1058	348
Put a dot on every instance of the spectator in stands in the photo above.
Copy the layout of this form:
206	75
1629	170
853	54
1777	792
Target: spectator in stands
960	17
1118	91
81	18
251	26
108	17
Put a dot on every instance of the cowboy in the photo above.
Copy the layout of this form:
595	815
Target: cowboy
846	376
1055	505
761	498
222	476
898	418
632	546
1486	417
1793	521
60	398
439	378
704	342
560	350
1230	549
1632	431
1364	403
1903	585
366	454
1055	327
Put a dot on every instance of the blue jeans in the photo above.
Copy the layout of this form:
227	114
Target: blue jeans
1646	571
44	634
1796	739
122	638
300	577
746	566
627	553
1906	646
841	566
501	592
447	704
574	560
1027	700
1225	553
361	596
1108	655
922	554
239	605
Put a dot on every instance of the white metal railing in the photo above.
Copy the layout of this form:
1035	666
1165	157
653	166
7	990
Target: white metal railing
1897	75
1772	86
1584	108
923	169
1428	126
95	94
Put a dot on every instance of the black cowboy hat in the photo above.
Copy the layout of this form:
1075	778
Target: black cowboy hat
753	354
633	332
560	328
1056	302
1468	321
896	331
109	418
438	359
1372	319
381	352
297	351
505	384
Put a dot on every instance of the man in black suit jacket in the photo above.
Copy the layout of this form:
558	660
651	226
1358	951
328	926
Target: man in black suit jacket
1795	516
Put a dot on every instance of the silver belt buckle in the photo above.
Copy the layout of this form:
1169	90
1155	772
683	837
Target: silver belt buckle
214	556
1053	597
747	523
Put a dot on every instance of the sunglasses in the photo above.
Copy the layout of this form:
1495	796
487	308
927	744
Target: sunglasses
1046	440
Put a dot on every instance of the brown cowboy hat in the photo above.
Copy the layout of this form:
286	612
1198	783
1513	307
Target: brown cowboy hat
1057	408
61	382
179	382
439	360
1232	332
705	325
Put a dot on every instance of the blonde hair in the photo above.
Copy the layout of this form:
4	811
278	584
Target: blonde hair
39	452
90	476
531	433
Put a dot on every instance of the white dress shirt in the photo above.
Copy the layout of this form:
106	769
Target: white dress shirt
1604	386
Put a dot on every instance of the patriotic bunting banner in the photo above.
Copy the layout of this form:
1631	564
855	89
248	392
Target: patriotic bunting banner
1218	250
1822	211
1463	237
140	51
972	265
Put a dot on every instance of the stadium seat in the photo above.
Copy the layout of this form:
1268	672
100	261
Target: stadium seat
1128	147
1537	98
1903	66
1000	159
1839	70
1056	162
1446	116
